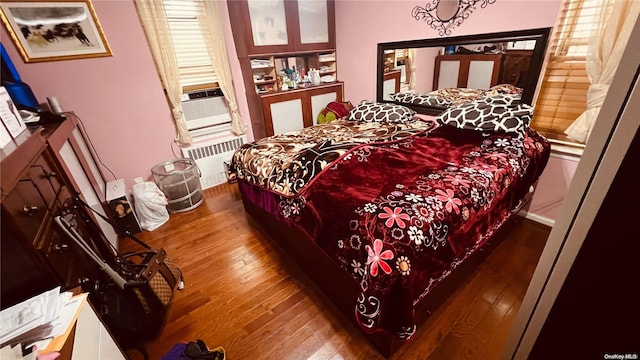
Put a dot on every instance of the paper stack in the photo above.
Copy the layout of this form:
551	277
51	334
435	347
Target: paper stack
44	320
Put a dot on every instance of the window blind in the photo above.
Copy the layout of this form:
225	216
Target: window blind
563	94
196	70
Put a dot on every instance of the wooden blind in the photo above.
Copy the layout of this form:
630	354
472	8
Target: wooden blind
563	93
196	70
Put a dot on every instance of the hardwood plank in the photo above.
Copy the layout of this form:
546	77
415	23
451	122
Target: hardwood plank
242	292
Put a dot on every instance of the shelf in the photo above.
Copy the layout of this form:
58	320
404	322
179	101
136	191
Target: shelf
298	89
268	65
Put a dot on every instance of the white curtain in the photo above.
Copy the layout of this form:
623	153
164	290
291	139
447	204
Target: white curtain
156	28
211	25
603	56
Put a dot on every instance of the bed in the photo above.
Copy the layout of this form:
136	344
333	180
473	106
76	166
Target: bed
439	100
387	209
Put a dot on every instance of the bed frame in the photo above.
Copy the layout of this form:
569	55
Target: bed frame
343	290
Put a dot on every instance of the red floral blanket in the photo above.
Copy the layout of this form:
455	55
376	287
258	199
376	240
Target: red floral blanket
400	215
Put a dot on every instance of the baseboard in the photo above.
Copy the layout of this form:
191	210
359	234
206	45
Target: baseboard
537	218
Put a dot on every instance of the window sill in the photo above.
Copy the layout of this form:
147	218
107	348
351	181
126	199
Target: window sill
565	149
563	146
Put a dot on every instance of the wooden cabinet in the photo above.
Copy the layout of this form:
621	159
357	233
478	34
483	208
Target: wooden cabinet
278	35
515	66
263	71
326	64
280	26
478	71
25	169
292	110
37	185
71	150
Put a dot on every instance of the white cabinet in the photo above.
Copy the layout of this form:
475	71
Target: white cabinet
294	109
477	71
319	102
286	116
391	84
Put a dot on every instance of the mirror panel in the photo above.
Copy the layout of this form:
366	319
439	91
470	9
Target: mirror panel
447	9
475	61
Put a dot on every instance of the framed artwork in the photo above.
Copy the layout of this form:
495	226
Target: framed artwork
54	30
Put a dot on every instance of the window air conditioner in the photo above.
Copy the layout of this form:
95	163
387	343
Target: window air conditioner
206	112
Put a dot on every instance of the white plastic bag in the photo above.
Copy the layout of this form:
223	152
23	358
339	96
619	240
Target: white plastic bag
150	204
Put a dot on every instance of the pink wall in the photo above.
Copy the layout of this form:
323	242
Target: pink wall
552	188
119	98
425	66
361	25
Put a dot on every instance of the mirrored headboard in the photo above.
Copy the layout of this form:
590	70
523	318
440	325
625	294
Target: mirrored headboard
473	61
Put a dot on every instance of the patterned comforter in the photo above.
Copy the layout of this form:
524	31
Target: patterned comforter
397	206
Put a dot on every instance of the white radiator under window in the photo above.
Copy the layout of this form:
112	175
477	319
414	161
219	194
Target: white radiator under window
210	157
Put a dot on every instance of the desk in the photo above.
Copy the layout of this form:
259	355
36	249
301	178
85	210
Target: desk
41	169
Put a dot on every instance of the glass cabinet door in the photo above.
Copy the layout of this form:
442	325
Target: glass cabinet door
313	21
268	22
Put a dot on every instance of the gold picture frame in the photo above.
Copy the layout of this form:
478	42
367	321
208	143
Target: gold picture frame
54	30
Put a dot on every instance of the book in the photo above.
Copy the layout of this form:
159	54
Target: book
10	115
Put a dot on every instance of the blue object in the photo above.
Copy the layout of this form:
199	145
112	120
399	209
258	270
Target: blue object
176	353
449	50
19	91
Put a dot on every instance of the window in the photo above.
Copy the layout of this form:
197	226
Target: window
196	70
186	38
563	95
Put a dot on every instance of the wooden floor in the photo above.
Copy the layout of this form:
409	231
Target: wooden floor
243	293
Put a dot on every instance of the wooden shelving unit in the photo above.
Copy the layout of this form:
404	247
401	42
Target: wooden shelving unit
264	74
266	69
327	64
300	35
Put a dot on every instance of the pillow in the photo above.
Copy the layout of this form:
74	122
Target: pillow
499	99
370	111
506	89
427	99
493	113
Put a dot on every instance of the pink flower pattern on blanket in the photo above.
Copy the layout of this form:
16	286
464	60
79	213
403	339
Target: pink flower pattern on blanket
377	257
394	216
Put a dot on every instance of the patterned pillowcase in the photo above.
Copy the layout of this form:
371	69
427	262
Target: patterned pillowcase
506	89
494	113
426	99
370	111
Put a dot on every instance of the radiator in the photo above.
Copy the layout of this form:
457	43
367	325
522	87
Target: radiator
210	157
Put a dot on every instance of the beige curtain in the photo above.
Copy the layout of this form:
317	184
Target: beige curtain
603	56
211	25
411	70
151	15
